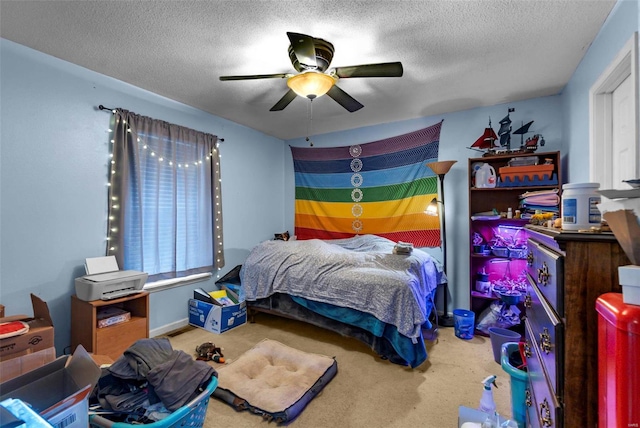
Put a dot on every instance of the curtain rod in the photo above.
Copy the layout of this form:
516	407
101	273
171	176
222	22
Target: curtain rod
101	107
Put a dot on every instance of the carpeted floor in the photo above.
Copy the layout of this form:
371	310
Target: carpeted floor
367	391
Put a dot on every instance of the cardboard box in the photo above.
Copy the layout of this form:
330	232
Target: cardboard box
58	391
216	319
39	336
621	210
12	366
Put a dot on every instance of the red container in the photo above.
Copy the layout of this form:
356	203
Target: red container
618	362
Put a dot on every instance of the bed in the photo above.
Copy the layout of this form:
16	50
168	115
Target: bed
355	286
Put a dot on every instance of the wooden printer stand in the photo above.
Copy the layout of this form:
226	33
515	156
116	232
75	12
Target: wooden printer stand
115	339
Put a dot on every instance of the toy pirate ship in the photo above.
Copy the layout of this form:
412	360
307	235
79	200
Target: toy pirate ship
492	144
487	140
531	143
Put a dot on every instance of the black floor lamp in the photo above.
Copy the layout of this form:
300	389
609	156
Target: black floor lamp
440	168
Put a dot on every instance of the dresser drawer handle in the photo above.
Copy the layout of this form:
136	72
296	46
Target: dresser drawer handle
527	349
543	274
545	341
527	397
545	414
527	301
530	258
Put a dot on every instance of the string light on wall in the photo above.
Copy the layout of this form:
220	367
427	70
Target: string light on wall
112	170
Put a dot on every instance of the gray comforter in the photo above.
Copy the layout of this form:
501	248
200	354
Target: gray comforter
360	273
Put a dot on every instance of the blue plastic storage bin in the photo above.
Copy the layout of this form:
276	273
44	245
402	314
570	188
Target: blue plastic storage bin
519	381
191	414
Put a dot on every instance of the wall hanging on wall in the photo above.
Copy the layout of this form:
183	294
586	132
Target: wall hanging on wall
380	188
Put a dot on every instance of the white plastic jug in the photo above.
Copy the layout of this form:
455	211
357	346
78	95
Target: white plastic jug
486	176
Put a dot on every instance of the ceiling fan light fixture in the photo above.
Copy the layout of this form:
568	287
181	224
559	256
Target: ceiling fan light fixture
311	84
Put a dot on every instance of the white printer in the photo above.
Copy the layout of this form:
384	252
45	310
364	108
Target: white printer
105	281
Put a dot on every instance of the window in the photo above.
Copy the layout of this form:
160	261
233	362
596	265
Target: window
165	202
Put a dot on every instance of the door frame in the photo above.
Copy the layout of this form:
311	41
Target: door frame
624	65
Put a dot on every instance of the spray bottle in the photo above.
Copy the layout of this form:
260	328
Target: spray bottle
487	404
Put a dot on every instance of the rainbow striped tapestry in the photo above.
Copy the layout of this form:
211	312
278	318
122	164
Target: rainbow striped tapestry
380	188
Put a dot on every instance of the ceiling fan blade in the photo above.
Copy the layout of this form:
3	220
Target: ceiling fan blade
256	76
304	48
386	69
284	101
344	99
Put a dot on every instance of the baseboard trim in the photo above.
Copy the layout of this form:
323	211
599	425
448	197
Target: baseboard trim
177	325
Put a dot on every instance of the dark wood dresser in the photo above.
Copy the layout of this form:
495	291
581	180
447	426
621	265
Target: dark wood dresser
567	272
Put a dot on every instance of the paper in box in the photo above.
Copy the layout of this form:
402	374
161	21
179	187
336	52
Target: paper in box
17	413
39	336
216	319
621	210
58	391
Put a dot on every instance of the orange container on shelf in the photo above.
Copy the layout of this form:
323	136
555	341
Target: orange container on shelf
531	172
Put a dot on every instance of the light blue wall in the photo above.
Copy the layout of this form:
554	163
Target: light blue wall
617	30
53	174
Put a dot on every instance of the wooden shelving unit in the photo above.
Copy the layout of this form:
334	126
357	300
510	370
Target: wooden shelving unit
501	198
113	340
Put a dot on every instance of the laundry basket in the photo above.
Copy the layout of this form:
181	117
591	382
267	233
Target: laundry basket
519	382
191	414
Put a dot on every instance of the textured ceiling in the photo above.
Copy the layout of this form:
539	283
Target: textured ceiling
456	54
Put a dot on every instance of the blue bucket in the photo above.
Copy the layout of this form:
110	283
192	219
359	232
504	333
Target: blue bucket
464	323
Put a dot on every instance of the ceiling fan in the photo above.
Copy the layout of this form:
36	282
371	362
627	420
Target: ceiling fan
311	57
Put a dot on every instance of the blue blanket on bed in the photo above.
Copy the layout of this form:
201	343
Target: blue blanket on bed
411	353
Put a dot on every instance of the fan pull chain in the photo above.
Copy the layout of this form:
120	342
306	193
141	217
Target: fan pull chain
310	130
